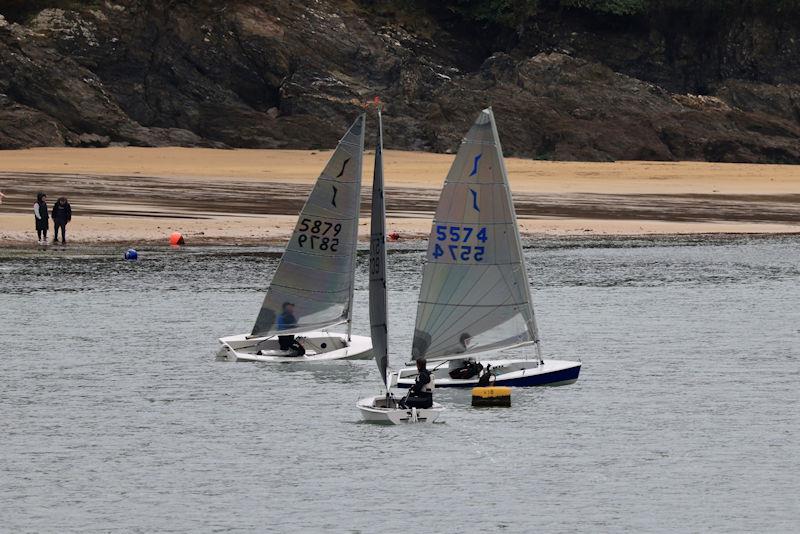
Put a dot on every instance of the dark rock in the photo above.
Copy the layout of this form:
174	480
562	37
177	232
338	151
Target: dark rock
93	140
277	73
24	127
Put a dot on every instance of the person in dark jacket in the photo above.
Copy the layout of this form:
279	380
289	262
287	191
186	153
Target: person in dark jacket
421	393
42	218
62	214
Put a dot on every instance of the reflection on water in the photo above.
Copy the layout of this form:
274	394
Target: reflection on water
117	416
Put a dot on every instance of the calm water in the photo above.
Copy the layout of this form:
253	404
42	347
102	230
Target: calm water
115	415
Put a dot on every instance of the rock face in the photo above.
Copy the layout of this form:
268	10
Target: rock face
279	73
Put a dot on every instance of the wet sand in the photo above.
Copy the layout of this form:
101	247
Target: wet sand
135	195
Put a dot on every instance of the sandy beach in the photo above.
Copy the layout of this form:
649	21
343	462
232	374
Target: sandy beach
140	195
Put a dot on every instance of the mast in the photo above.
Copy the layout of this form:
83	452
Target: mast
533	328
377	262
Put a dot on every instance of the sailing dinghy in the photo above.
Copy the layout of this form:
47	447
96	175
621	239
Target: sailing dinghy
315	277
475	296
384	408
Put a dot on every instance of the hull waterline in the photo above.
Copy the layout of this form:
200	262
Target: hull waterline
513	373
320	347
372	412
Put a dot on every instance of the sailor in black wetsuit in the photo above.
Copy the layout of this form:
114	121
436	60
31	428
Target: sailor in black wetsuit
421	393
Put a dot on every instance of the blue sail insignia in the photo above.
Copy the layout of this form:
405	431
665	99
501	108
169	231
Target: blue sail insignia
475	165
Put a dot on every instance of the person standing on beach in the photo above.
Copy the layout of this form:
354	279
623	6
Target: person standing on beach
62	214
42	217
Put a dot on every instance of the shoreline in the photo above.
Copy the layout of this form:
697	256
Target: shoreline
83	247
229	234
248	197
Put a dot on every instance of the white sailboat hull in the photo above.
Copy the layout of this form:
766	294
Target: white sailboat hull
374	410
319	346
514	373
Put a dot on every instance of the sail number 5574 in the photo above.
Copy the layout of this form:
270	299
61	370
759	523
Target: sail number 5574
451	239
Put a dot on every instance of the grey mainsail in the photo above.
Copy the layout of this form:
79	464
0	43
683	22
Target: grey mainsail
377	263
474	295
316	272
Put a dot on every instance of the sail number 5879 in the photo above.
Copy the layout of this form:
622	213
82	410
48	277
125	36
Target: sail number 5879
318	235
448	236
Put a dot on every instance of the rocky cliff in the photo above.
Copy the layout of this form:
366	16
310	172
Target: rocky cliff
280	73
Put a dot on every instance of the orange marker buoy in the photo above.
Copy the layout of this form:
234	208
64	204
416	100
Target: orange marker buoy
176	239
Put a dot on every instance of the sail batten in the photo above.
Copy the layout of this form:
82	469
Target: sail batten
377	263
315	274
474	295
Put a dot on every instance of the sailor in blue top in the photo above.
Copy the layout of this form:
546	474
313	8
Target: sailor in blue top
286	321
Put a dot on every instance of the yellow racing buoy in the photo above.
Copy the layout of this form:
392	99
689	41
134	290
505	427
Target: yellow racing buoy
491	396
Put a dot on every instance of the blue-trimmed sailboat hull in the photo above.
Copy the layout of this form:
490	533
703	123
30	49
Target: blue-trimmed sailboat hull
563	374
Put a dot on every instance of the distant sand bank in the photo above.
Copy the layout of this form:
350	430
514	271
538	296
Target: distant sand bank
131	195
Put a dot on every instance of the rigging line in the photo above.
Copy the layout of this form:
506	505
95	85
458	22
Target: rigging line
342	142
297	250
321	305
453	308
470	182
432	319
517	246
476	223
467	141
306	327
439	319
324	178
490	309
521	266
296	255
480	319
472	305
312	291
301	328
503	280
476	321
431	265
323	215
525	292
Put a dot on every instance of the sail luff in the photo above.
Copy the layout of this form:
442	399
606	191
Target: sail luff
312	287
377	263
355	232
533	328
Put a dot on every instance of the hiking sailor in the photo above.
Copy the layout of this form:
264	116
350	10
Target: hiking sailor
421	393
287	321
